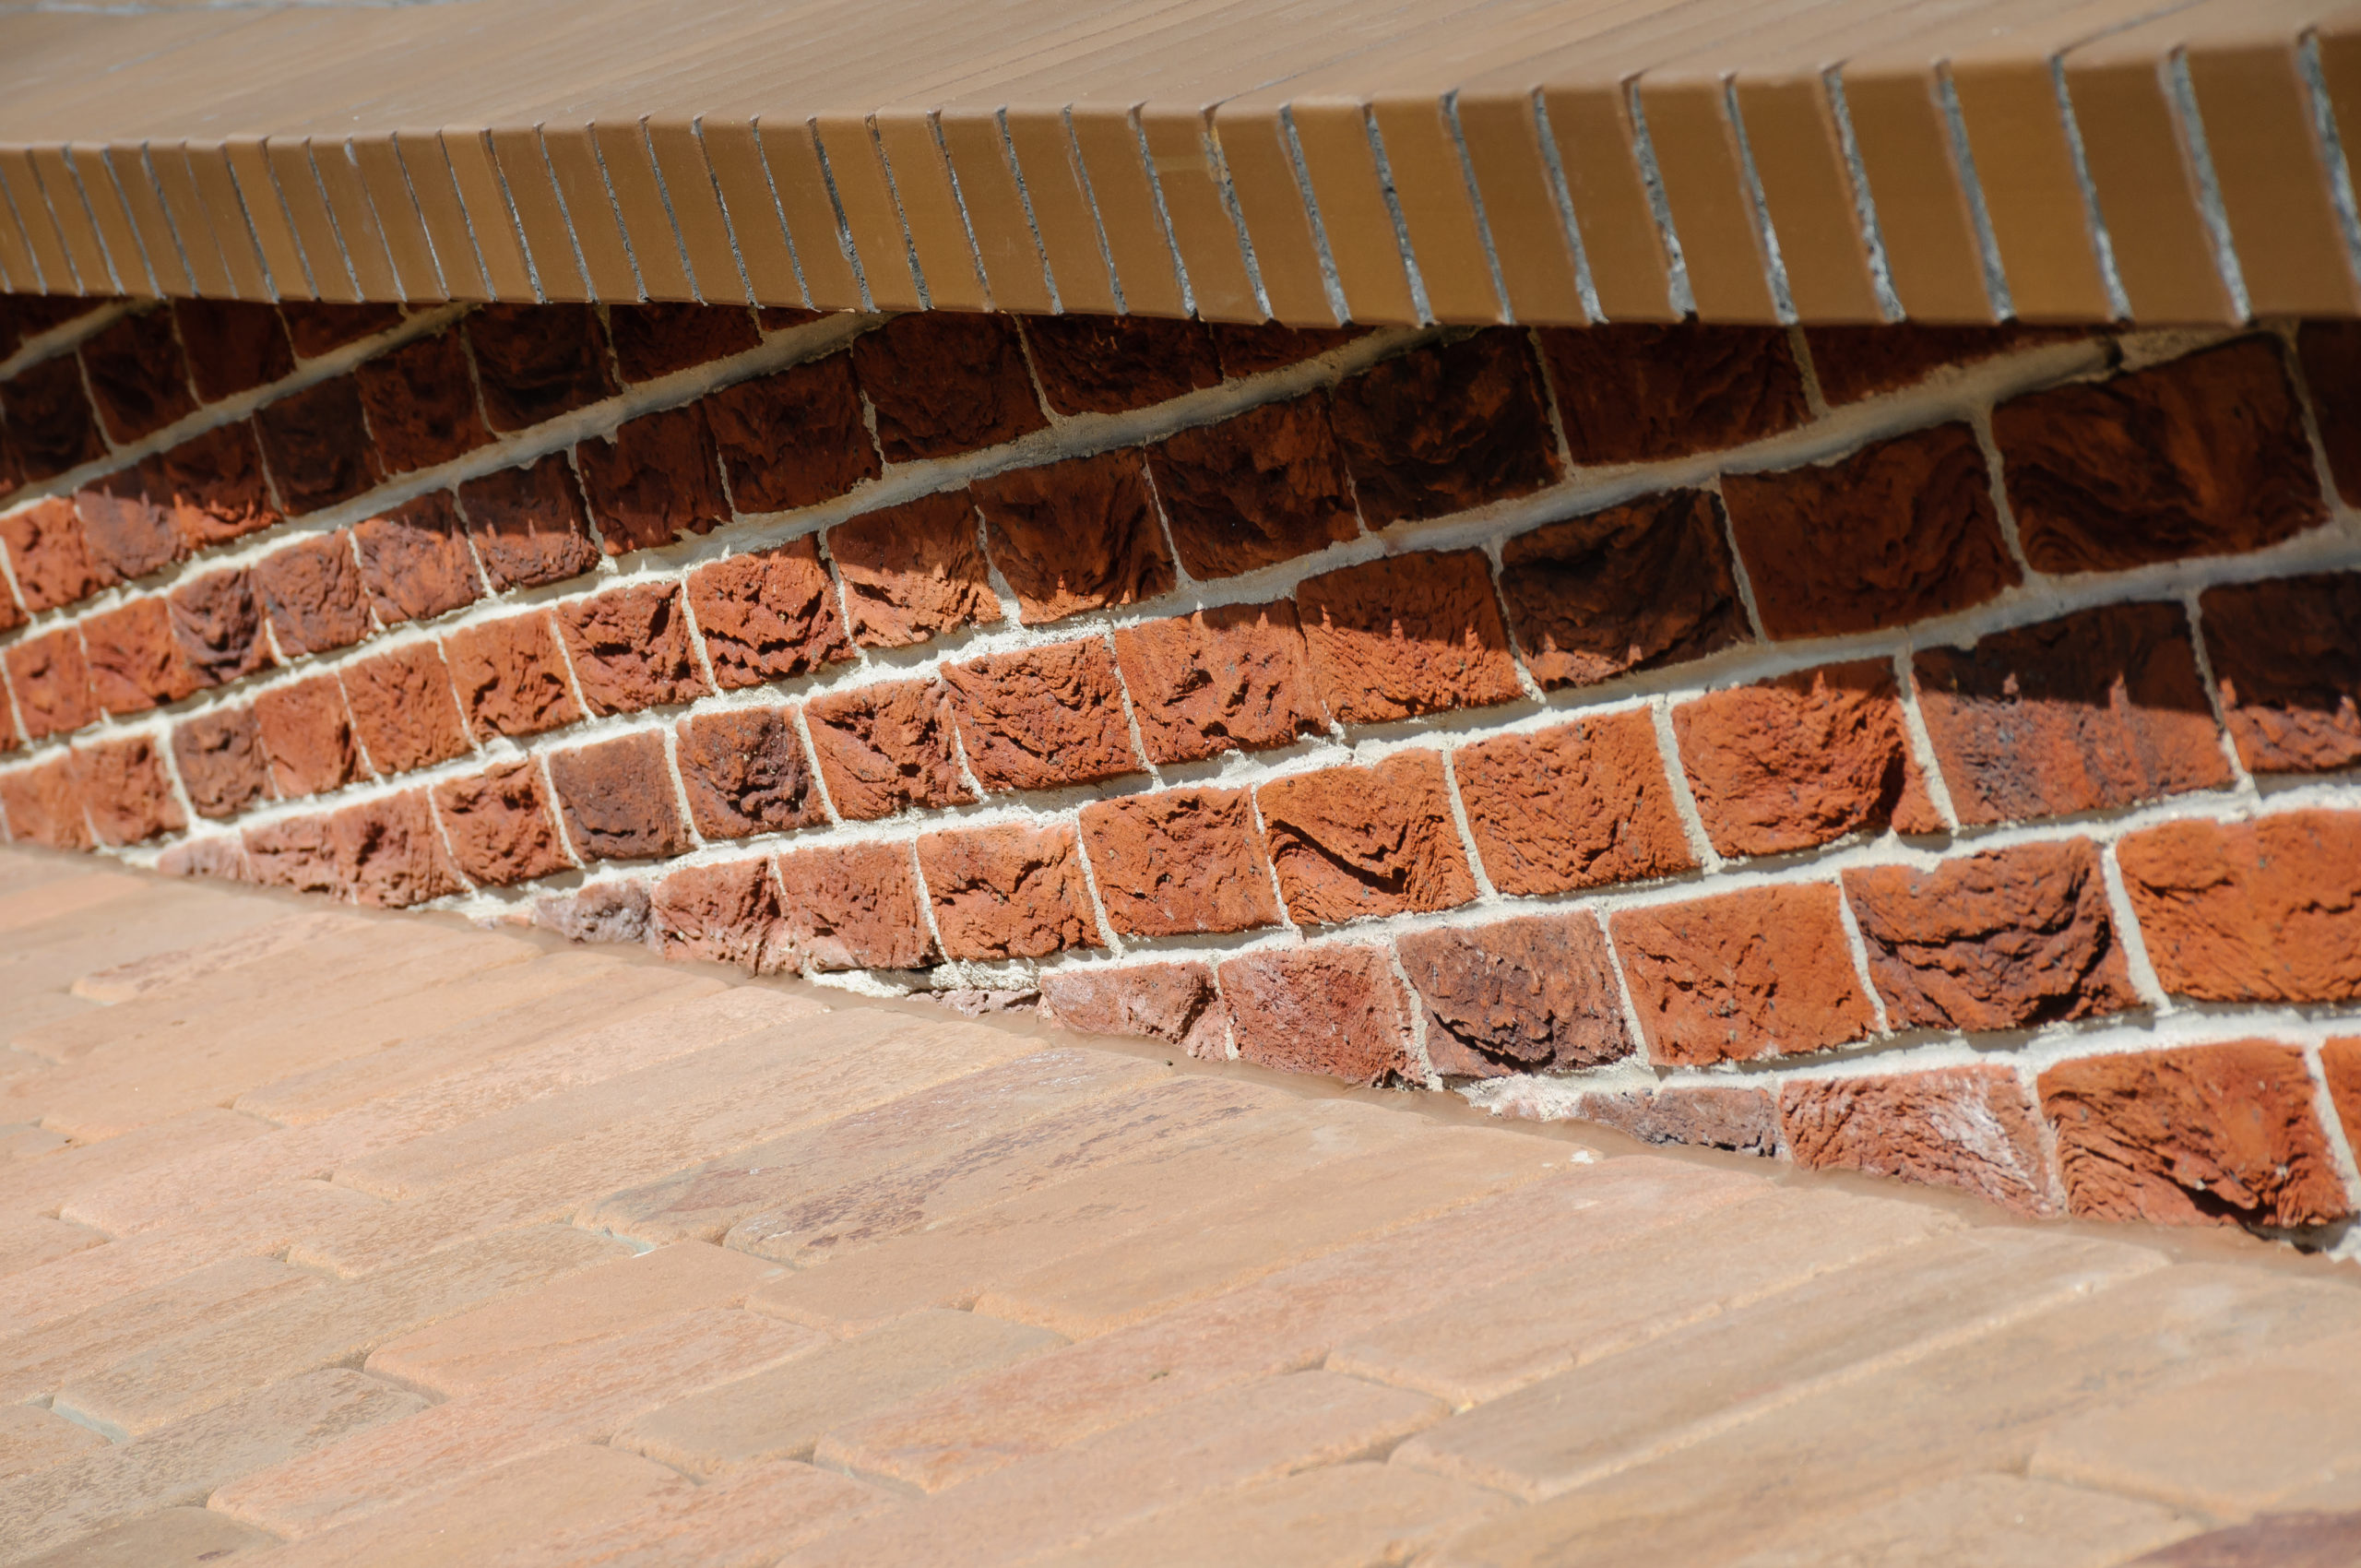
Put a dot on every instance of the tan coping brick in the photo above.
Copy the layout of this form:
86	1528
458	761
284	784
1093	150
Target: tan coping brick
43	1359
32	1439
1980	1518
29	1240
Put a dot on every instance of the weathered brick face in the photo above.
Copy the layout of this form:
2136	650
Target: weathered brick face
1913	750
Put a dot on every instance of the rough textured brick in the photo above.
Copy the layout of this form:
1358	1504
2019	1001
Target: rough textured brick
913	571
528	524
768	615
793	439
45	806
2210	1133
1348	842
1259	488
1634	394
655	479
725	914
1633	588
316	327
233	346
308	737
1759	973
2267	910
1107	364
511	677
388	852
403	709
1232	678
317	447
1253	349
1968	1127
296	853
1577	805
47	552
313	593
500	826
885	748
1798	761
854	908
601	911
631	648
127	790
221	762
220	857
2204	456
50	426
2340	1066
743	771
1854	362
126	528
1527	995
1014	892
1043	717
2330	353
1174	1003
1407	635
618	799
2289	669
136	662
1178	862
1900	531
1744	1120
2099	709
52	681
1075	536
420	400
1334	1008
537	361
1447	427
415	563
215	485
658	339
943	384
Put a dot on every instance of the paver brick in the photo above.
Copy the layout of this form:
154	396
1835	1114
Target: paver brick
744	1520
33	1438
29	1185
1338	1513
1980	1518
170	1537
42	1361
30	1241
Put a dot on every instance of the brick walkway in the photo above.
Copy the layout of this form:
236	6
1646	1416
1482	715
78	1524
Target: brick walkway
347	1238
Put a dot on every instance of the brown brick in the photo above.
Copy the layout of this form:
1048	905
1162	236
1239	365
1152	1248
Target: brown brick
1900	531
127	792
2289	669
308	737
2210	1133
655	479
631	648
1528	995
2267	910
1259	488
793	439
1798	761
913	571
1182	862
1634	394
232	347
317	329
1075	536
500	825
528	524
420	400
415	563
1232	678
537	361
779	318
215	486
1407	635
744	773
1174	1003
1445	428
724	914
2012	939
1246	350
127	525
1578	805
135	662
617	799
1854	362
1765	972
1969	1127
403	709
1109	364
768	615
2098	709
658	339
1330	1008
388	852
47	552
1348	842
222	763
52	681
510	676
2330	353
1042	717
297	852
885	748
1014	892
853	908
313	593
317	447
50	427
218	624
1742	1120
1634	587
2205	456
943	384
45	806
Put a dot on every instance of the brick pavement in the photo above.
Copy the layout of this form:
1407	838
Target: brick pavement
354	1240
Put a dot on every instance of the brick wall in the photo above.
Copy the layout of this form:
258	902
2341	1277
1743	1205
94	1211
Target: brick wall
1924	751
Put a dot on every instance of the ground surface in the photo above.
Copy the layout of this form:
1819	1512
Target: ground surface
345	1239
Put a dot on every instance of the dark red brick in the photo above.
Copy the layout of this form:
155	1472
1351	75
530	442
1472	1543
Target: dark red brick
1764	973
420	400
215	486
943	384
2330	355
127	793
529	525
137	375
778	318
1230	678
45	806
2266	911
658	339
511	677
1445	428
1407	635
232	347
885	748
1349	842
1075	536
127	524
855	908
136	662
47	552
1854	362
317	329
1174	1003
403	710
631	648
500	826
1974	1128
618	801
1253	349
1042	717
1259	488
1335	1009
1635	394
1798	761
1578	805
1635	587
1180	862
1108	365
388	852
795	438
50	427
52	681
307	734
2290	669
724	914
1743	1121
221	762
1529	995
914	571
317	447
1014	892
768	615
312	591
218	625
415	563
745	772
654	480
537	361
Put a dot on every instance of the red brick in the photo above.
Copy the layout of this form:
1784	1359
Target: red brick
215	486
1333	1008
1232	678
631	648
313	593
1765	972
1445	428
1578	805
319	328
45	806
127	524
511	677
317	447
2098	709
1174	1003
2207	1134
500	826
221	762
2012	939
2340	1066
388	852
51	560
1528	995
617	799
296	853
793	439
1259	488
1042	717
232	347
420	400
1014	892
308	737
2205	456
12	616
1109	364
2289	669
1634	394
601	911
655	479
52	682
658	339
2267	910
528	524
745	772
1635	587
1796	762
853	908
1180	862
885	748
1854	362
768	615
778	318
403	709
1900	531
1075	536
1744	1120
136	662
1974	1128
415	563
724	914
1407	635
1266	346
943	384
913	571
50	426
129	793
1348	842
537	361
